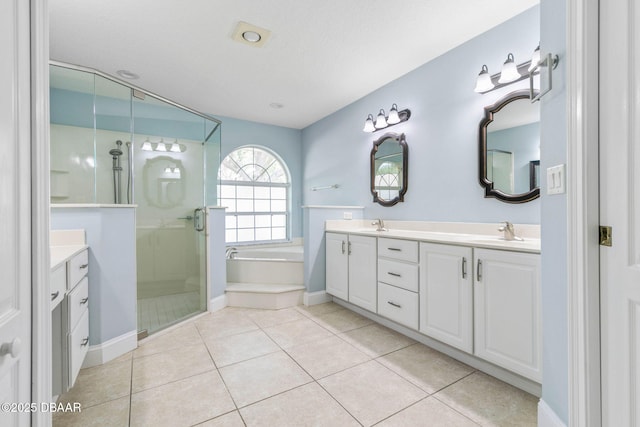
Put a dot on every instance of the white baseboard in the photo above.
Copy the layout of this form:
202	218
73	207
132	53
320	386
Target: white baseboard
217	303
313	298
547	417
109	350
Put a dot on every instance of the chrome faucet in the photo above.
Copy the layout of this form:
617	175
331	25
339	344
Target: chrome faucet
380	224
230	253
509	231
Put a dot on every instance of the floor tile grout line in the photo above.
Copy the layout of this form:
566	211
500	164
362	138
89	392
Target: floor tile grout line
403	409
130	391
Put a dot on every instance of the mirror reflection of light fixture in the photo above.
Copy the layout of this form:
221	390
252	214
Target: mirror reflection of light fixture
175	147
509	71
383	121
484	83
512	73
146	145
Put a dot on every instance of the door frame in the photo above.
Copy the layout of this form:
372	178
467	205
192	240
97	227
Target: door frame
583	268
41	368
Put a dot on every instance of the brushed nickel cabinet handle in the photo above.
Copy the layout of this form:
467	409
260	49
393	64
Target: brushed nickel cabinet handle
479	270
54	295
464	268
84	342
394	304
395	249
394	274
83	266
84	300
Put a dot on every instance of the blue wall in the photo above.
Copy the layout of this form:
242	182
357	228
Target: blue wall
284	142
442	135
553	132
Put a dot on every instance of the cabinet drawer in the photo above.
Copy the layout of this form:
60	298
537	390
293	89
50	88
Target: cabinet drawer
404	250
78	268
398	274
78	302
58	285
78	346
399	305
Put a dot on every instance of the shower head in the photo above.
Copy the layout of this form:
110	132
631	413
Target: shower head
115	152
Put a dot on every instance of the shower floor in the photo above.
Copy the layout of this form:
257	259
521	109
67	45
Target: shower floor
158	312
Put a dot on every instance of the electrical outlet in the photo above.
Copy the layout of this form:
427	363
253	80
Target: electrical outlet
347	215
556	179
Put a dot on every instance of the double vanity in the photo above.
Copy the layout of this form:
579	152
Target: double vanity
461	284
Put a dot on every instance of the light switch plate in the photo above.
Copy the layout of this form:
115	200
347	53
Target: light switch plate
556	179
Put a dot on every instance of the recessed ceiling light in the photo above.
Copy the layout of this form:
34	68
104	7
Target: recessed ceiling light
127	74
250	34
276	105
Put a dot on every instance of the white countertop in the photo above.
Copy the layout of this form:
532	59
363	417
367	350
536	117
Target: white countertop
469	238
62	254
65	244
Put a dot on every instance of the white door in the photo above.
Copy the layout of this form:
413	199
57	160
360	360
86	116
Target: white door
15	212
446	294
363	271
620	209
337	267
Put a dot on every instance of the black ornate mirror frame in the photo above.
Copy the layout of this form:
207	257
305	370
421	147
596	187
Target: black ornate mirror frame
400	139
489	191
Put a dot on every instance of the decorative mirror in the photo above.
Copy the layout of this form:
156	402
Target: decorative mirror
510	149
389	163
163	182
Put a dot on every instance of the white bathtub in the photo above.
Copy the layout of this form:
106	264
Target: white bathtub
274	265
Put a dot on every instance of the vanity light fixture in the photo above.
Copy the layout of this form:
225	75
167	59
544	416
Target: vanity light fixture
175	147
146	145
484	83
509	71
512	73
161	146
382	121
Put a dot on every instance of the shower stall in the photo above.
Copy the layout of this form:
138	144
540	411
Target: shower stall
113	144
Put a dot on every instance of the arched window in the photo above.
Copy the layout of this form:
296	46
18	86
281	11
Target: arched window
254	185
387	181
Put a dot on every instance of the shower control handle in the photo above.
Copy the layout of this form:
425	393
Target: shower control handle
188	217
198	222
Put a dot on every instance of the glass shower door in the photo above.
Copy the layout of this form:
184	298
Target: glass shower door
169	164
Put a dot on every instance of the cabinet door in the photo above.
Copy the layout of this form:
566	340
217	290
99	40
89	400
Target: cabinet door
337	265
446	294
507	310
363	272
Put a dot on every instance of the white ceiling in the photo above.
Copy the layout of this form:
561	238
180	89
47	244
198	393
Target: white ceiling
321	56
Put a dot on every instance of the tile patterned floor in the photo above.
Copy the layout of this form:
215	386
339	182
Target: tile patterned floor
304	366
158	312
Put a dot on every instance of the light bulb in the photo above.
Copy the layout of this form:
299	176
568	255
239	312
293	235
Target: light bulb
483	82
368	124
509	71
381	120
175	147
146	145
168	170
393	115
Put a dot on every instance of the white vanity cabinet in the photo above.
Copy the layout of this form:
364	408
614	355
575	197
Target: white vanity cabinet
70	319
507	320
446	294
398	281
351	269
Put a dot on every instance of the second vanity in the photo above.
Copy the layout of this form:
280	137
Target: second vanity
463	285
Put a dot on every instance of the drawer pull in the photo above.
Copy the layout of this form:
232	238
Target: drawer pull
394	274
464	267
343	246
84	300
83	266
394	304
395	249
84	342
54	295
479	270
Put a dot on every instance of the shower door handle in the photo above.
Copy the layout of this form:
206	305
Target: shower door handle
199	221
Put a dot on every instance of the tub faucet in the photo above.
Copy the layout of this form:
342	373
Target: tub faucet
509	231
230	253
380	224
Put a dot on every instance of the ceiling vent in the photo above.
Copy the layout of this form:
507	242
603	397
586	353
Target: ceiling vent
250	34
